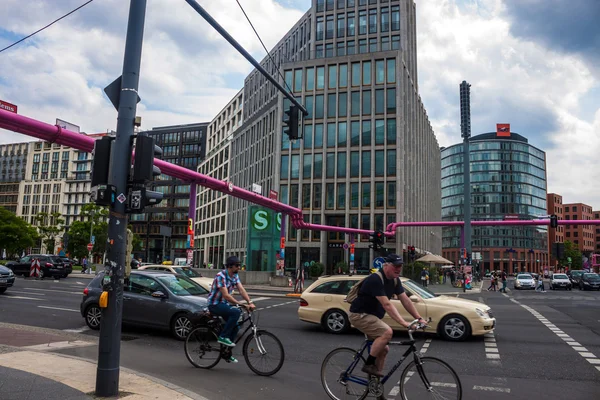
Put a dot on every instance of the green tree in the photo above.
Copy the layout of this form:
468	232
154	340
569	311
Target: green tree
572	251
16	235
79	232
49	227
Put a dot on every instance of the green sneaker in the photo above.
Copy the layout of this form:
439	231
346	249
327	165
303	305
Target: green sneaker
226	342
232	359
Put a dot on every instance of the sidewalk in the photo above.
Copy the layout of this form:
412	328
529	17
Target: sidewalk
447	288
30	370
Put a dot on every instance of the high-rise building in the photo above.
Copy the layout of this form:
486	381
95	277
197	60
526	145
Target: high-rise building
555	235
583	236
13	163
368	155
508	181
211	206
183	145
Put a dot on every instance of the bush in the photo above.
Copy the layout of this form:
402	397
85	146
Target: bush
341	266
316	270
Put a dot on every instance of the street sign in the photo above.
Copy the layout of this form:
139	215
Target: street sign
345	246
378	262
8	106
90	246
93	241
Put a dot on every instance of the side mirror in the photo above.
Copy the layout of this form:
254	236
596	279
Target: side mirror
160	295
414	299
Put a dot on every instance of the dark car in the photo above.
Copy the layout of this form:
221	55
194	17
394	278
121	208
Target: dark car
7	278
68	265
575	276
589	281
50	265
151	299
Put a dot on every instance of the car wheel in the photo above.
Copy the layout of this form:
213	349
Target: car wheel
335	321
42	275
2	290
93	315
181	326
455	328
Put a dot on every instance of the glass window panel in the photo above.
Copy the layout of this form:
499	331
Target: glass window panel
355	74
354	133
385	19
306	196
319	51
351	24
298	80
373	21
308	136
354	221
395	42
343	75
289	78
284	194
316	205
354	195
307	166
395	18
342	134
365	222
318	136
332	76
330	165
285	168
354	164
391	195
366	78
343	105
391	100
366	133
341	49
355	104
331	107
373	45
309	103
379	101
378	222
341	165
362	22
294	195
316	235
318	170
385	43
366	102
341	196
379	131
320	78
362	46
329	196
366	195
379	71
391	70
341	24
329	50
379	195
391	163
379	166
351	47
310	78
391	131
319	106
366	163
295	169
331	135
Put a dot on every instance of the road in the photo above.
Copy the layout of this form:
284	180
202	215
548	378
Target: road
544	346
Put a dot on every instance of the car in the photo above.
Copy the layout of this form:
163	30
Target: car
589	281
575	276
68	263
7	278
50	265
524	281
151	299
560	281
452	318
194	275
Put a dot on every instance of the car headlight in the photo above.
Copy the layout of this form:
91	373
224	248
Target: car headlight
518	282
481	313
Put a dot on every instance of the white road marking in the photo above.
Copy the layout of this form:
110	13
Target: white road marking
31	293
593	360
78	330
491	389
58	308
425	346
21	297
52	290
579	348
278	305
261	298
80	283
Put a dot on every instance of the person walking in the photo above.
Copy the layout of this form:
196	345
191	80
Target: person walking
504	278
84	266
424	277
492	282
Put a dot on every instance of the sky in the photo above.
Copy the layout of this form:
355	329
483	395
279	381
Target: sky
532	63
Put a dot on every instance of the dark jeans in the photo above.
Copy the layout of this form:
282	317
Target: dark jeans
231	316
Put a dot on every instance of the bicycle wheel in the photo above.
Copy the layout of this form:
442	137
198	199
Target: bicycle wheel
263	353
433	379
202	348
342	377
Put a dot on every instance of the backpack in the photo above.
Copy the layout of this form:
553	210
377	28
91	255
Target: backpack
353	293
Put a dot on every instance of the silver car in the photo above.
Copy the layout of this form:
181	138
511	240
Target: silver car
524	281
560	281
153	299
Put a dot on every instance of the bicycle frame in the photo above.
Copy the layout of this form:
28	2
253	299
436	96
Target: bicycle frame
367	345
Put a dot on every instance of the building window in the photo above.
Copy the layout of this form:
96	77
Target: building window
306	167
341	165
306	196
355	104
285	167
385	43
366	73
316	196
379	194
308	104
354	133
391	100
329	50
366	163
341	49
354	195
330	29
318	136
379	131
385	19
366	195
362	46
341	196
298	80
329	196
295	168
354	164
310	79
341	26
373	20
319	51
395	18
319	106
379	166
366	133
320	28
342	134
331	106
351	46
330	165
379	101
366	102
308	131
343	105
356	74
320	78
391	70
373	45
362	22
391	163
391	195
395	42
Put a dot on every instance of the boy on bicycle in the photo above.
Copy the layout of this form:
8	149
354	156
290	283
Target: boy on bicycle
370	306
220	298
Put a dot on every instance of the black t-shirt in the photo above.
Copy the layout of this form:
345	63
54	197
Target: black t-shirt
372	286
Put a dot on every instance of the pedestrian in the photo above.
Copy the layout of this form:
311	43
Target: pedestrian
424	277
503	282
84	264
540	285
492	284
444	276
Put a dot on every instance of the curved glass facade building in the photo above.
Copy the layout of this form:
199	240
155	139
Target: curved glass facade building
508	181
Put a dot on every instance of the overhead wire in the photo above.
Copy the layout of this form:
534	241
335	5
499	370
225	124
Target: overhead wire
50	24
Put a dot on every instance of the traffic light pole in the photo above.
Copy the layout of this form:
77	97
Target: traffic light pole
109	348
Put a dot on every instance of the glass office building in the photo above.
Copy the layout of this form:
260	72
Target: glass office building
508	181
368	155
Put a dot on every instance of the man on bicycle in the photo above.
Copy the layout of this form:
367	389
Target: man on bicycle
371	304
220	298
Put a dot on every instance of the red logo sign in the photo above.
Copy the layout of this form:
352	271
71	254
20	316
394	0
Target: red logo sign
8	107
503	130
273	194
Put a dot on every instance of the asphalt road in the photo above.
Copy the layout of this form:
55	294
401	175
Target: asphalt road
545	346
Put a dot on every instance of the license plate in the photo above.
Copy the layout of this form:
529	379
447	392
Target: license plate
3	280
60	266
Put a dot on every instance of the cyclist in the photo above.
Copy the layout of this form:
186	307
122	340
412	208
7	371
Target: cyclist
220	298
371	304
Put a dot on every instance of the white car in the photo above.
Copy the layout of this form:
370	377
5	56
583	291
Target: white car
561	281
524	281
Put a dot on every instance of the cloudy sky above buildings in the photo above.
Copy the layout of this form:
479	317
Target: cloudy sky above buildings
532	63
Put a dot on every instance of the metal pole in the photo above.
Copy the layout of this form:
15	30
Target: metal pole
192	215
91	234
465	129
109	348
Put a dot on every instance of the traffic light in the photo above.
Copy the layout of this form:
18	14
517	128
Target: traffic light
411	252
101	192
291	122
377	239
553	221
144	171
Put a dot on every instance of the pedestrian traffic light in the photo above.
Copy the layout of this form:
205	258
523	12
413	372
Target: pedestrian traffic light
377	239
101	192
291	122
144	172
553	221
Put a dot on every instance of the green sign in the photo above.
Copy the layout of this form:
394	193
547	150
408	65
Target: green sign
260	219
263	238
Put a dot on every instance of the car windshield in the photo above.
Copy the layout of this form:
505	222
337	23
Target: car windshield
181	286
559	276
190	273
419	290
524	276
576	274
56	260
592	277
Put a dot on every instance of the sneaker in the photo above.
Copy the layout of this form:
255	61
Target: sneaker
226	342
232	359
371	370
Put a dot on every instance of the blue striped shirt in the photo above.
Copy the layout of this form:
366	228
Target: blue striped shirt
222	280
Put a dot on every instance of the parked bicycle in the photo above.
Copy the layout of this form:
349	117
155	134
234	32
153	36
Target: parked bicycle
262	350
424	377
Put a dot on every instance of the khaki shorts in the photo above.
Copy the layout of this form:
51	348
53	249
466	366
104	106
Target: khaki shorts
368	324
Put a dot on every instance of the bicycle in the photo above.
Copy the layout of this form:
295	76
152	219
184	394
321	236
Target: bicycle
417	381
203	350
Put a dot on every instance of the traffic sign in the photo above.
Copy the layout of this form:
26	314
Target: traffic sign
90	246
378	262
93	241
345	246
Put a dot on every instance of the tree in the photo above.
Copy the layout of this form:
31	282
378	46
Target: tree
79	232
49	227
16	235
572	251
